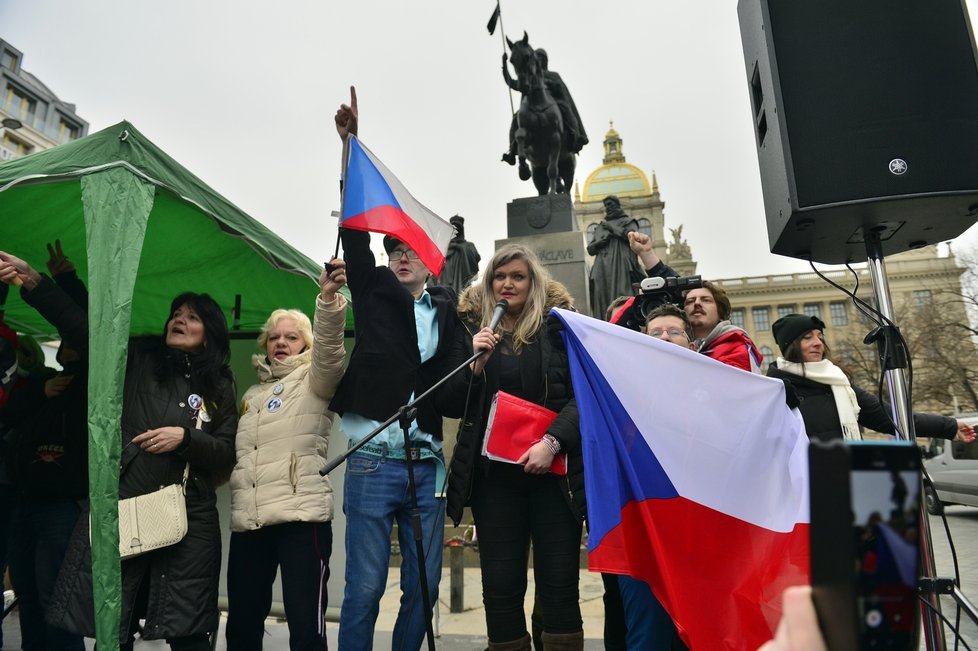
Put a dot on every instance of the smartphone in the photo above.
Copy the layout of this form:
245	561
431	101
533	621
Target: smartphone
865	552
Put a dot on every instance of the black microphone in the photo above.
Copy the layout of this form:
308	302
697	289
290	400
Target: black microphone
497	314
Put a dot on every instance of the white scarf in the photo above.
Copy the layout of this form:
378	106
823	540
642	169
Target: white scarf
825	372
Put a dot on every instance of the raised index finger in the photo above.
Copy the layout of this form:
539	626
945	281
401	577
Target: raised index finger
353	99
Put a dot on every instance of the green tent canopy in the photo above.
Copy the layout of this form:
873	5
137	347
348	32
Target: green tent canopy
139	229
195	239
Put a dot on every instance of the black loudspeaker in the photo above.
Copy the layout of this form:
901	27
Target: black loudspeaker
866	119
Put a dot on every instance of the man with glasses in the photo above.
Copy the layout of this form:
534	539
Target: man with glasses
671	324
402	331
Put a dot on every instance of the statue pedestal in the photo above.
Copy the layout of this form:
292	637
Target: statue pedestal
551	213
548	225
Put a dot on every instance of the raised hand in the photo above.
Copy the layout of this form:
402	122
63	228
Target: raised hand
58	262
347	117
330	280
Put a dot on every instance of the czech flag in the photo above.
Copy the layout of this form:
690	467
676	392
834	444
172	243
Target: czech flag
374	200
697	481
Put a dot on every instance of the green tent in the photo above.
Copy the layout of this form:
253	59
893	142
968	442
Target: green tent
140	229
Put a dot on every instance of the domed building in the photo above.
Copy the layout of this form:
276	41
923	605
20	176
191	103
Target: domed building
639	200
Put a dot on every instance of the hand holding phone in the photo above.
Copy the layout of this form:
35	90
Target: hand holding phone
865	527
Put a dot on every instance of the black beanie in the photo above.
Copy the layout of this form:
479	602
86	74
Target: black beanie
390	242
790	327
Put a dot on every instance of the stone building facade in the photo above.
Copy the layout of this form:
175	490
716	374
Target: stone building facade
33	118
925	286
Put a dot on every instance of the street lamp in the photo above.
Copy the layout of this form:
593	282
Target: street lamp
11	124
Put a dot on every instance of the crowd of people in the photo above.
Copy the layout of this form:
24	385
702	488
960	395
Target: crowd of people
181	422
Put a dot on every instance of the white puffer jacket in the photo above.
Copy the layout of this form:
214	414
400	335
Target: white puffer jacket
283	431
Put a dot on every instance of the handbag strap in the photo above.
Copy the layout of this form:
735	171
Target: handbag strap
186	474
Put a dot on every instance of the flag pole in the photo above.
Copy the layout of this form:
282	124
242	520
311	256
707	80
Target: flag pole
344	163
502	35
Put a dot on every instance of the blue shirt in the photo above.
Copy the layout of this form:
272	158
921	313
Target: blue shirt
356	427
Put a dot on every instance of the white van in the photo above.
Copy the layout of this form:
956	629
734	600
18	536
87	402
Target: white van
953	466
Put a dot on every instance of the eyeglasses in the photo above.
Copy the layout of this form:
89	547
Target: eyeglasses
396	254
672	332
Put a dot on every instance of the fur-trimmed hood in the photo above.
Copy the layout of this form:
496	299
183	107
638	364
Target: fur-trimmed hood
470	307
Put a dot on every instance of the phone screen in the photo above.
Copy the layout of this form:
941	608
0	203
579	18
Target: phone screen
886	527
865	527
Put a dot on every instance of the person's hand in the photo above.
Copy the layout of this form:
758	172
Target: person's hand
14	271
537	460
486	340
639	242
331	281
505	59
965	433
160	440
57	385
58	262
347	117
641	245
798	629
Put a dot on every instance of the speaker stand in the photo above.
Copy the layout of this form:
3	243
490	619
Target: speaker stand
933	627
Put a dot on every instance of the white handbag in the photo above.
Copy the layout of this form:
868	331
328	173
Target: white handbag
154	520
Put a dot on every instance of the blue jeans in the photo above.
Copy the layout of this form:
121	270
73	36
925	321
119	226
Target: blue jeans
650	628
375	496
39	537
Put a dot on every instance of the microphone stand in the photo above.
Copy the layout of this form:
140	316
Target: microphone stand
405	415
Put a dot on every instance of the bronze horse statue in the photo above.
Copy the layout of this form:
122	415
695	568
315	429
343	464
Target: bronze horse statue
540	135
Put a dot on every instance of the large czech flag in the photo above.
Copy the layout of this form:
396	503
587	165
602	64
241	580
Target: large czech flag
697	481
374	200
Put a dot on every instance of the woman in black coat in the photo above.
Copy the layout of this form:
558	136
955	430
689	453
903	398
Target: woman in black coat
178	407
831	406
514	503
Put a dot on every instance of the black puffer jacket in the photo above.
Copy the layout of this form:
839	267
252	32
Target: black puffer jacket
541	365
817	406
183	578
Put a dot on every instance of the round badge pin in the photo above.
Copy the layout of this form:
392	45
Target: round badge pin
195	401
204	416
274	404
278	389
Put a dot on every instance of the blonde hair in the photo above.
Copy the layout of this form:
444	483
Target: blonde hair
301	322
531	318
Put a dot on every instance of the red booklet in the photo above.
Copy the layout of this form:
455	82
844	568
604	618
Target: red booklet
513	426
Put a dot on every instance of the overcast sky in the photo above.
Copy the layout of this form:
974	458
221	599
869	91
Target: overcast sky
242	93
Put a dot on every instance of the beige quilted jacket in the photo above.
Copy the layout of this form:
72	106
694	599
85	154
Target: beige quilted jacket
283	431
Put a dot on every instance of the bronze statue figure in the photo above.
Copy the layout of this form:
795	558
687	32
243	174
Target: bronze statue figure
615	266
462	260
546	130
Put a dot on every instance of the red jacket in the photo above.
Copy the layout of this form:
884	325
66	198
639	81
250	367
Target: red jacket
731	345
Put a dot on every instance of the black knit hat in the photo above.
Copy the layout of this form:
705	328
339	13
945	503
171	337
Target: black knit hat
790	327
390	242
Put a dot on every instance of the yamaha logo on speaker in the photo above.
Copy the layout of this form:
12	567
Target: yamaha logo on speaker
898	167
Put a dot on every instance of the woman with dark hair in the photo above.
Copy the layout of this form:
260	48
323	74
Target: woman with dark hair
831	406
178	409
516	503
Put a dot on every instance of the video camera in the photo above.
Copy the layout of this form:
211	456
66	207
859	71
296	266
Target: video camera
653	292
